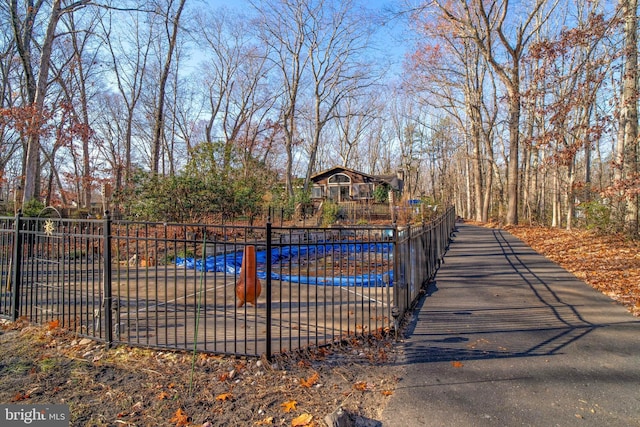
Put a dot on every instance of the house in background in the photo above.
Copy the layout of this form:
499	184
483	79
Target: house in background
342	185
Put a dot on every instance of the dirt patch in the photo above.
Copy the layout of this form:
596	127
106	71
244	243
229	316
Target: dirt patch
127	386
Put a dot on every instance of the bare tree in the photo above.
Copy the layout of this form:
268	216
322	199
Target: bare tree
316	47
236	75
10	141
355	119
336	42
79	83
414	141
627	144
567	71
282	27
128	44
448	72
111	128
502	37
376	153
172	13
37	79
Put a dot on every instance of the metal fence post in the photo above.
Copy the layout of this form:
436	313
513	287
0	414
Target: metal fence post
408	269
396	310
16	278
268	286
107	293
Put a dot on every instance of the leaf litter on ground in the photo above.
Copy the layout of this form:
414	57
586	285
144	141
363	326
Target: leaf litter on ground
136	386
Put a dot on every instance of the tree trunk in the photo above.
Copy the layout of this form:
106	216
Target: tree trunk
158	129
555	201
629	114
571	197
469	189
475	160
514	164
37	90
32	166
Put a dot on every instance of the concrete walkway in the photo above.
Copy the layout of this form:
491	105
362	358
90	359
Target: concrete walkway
507	338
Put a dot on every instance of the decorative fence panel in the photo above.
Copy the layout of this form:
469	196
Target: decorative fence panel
174	286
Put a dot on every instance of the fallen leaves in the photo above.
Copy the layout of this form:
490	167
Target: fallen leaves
224	397
311	381
289	406
457	364
360	386
302	420
304	363
305	386
20	396
180	418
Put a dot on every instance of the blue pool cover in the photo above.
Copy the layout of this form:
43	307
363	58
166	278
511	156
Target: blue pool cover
230	263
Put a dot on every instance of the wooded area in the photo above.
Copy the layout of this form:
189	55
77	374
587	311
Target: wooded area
513	111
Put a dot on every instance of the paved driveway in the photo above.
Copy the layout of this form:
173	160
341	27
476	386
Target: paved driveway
508	338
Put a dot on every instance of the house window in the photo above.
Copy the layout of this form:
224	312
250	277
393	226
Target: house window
317	192
339	178
339	188
334	193
362	191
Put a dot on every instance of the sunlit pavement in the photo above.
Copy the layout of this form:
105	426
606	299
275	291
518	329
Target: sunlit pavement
506	337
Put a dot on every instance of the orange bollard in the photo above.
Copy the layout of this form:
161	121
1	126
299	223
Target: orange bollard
248	288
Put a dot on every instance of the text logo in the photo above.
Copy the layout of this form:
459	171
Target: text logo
34	415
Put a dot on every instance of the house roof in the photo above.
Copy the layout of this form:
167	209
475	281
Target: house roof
391	179
337	169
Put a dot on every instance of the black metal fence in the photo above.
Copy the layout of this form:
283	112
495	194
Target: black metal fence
173	286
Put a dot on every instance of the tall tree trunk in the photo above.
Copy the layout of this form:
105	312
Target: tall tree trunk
158	128
483	22
555	205
486	202
36	88
629	114
476	132
537	193
32	165
85	135
513	170
469	189
570	193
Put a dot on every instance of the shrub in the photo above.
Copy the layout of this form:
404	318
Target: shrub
381	194
32	208
595	215
330	213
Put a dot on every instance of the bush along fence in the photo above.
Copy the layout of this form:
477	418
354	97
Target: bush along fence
220	289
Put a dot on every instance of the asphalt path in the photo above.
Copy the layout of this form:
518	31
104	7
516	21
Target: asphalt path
506	337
